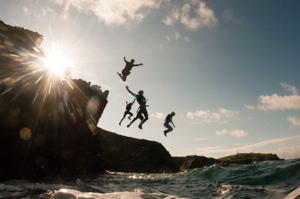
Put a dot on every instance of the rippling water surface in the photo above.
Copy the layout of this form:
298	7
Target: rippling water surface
269	179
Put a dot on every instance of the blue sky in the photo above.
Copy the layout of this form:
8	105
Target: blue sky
229	69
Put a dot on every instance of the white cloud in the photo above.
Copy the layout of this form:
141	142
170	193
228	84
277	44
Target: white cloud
249	107
174	16
203	15
158	115
214	117
201	139
228	16
276	102
288	152
190	115
187	39
221	133
248	148
235	133
238	133
168	38
177	35
117	12
289	88
295	121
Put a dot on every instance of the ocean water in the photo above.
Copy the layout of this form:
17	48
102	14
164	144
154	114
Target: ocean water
268	179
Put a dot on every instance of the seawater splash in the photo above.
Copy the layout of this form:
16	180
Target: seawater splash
269	179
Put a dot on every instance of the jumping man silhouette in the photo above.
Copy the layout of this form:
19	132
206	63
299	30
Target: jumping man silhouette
127	69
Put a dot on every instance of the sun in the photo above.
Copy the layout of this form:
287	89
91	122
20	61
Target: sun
56	62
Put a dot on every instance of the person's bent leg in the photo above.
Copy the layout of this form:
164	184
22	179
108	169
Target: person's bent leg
145	119
130	115
169	128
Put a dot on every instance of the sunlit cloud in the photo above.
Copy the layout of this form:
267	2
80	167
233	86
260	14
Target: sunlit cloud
288	152
248	148
203	16
277	102
294	120
222	132
289	88
116	12
238	133
235	133
172	18
213	117
249	107
158	115
200	139
190	115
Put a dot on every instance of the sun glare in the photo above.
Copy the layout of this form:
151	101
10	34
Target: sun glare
57	62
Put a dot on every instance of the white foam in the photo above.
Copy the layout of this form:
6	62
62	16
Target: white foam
294	194
136	194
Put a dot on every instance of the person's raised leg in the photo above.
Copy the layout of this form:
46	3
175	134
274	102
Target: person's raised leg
130	115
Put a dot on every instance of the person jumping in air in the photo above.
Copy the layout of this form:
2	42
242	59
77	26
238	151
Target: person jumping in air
127	69
142	109
128	108
167	125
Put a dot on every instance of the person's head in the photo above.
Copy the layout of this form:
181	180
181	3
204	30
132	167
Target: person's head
173	113
132	61
141	92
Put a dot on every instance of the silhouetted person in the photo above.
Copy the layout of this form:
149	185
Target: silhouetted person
128	108
127	69
167	125
142	109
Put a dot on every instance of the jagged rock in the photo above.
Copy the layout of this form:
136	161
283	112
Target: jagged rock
126	154
192	162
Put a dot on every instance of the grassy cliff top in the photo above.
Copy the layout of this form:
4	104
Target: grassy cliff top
250	156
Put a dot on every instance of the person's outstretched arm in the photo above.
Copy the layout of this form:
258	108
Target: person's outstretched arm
133	101
125	60
127	87
137	64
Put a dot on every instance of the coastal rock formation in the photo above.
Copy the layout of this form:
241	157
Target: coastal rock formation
48	124
126	154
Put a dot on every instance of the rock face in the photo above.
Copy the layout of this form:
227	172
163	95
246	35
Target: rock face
125	154
48	124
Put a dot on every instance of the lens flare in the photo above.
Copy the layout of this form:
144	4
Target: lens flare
56	62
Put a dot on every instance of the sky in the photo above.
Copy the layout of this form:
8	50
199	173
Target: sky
228	69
